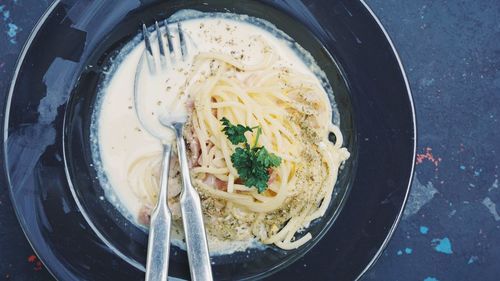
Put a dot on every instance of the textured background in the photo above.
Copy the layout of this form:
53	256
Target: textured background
451	226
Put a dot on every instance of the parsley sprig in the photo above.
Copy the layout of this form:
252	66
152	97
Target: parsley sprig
251	162
235	133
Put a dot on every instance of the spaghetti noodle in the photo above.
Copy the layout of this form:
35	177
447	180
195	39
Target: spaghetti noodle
294	113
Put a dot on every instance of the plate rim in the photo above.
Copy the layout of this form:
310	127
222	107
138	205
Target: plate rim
48	12
394	226
6	109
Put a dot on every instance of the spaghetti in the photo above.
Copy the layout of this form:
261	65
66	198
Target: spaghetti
294	113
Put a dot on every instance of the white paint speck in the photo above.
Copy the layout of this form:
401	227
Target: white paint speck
492	207
493	186
419	196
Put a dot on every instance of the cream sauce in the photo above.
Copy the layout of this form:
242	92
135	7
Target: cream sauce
121	138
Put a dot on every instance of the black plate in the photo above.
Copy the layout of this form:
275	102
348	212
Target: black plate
56	78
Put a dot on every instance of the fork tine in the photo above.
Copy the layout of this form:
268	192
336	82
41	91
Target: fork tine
161	45
182	41
169	39
149	50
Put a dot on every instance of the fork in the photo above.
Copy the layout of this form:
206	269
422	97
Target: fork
194	229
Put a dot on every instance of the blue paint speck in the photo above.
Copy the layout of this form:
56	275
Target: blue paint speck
430	279
442	245
407	251
462	167
13	29
12	32
6	15
424	229
472	259
2	7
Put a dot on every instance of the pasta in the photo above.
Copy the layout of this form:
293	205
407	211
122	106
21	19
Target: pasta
294	113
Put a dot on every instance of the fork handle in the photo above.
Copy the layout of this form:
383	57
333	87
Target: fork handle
192	218
159	229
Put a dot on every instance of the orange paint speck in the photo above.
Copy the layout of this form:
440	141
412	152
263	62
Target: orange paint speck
427	155
37	265
32	258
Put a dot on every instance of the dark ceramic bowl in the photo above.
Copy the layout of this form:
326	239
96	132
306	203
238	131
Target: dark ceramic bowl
53	183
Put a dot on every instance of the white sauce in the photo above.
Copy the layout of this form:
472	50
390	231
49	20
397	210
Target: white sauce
118	135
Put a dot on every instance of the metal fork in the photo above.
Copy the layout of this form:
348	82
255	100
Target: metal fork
152	58
194	229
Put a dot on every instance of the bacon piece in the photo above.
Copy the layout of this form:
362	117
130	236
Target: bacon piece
211	180
220	184
175	209
272	175
193	144
190	105
144	216
174	181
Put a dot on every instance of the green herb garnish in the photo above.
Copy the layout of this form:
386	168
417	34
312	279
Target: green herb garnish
235	133
252	163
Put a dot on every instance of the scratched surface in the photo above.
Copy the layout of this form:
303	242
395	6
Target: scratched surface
451	225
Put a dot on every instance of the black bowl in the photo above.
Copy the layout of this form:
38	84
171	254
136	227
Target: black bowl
53	183
125	238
